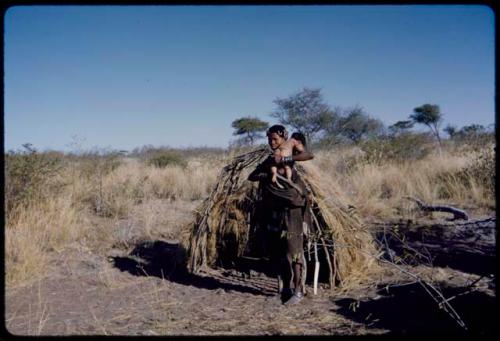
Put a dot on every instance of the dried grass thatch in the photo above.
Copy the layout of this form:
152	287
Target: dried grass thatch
224	223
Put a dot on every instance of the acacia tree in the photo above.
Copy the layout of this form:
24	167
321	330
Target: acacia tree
249	126
305	111
400	127
429	115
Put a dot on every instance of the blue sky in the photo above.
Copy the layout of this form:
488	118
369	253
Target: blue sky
126	76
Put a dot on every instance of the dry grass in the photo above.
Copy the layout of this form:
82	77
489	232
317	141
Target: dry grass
162	218
133	191
140	193
354	251
33	232
378	191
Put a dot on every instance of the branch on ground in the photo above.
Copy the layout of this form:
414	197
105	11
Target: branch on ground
457	213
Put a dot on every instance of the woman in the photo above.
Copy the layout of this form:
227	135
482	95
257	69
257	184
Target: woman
286	211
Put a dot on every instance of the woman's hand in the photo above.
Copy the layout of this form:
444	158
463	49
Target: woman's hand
277	159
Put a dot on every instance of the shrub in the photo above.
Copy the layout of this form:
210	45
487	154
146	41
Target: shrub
162	159
28	175
407	146
482	168
473	141
97	163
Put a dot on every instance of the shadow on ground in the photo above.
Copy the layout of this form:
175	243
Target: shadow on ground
168	261
462	257
410	310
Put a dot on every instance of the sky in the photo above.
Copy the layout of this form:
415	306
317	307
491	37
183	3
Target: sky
122	77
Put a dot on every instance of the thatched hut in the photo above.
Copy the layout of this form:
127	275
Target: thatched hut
226	228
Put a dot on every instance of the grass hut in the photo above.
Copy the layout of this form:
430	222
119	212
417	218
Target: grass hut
225	226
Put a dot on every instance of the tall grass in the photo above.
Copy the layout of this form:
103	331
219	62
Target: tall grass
53	200
49	202
35	230
378	189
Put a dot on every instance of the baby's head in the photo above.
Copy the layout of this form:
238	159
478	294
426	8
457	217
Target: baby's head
299	137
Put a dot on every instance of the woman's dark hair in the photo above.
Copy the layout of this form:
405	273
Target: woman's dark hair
278	129
300	137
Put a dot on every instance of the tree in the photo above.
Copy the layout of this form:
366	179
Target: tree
358	125
304	111
429	115
400	127
472	134
450	130
473	129
251	126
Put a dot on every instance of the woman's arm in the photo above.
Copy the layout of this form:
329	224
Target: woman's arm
260	172
302	153
303	156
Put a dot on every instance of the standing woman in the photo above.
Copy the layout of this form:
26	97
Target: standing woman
285	212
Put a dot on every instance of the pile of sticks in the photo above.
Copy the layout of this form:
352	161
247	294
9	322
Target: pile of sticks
213	213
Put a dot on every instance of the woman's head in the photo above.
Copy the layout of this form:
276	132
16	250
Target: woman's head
276	135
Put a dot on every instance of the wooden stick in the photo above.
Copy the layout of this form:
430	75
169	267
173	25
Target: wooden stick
291	184
304	273
457	213
327	255
316	269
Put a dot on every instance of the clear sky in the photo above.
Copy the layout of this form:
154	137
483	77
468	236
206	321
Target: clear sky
126	76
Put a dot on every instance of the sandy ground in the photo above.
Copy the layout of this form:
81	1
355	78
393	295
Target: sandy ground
136	288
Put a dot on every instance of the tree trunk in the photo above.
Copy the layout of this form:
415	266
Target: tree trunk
435	132
250	137
468	246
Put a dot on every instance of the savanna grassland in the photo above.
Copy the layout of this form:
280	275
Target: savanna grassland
74	220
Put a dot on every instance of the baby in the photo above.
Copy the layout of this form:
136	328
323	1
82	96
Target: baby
297	142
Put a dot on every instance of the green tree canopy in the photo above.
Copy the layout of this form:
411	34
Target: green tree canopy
429	115
352	124
249	126
358	125
400	127
469	132
305	111
450	130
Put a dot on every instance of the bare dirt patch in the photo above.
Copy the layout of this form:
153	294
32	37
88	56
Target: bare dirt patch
135	284
91	295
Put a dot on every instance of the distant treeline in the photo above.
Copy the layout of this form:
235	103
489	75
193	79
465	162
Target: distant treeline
306	111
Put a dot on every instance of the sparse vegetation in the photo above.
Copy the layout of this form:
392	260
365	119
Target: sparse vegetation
162	159
52	198
90	204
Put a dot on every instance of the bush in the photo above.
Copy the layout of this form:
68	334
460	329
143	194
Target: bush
96	163
162	159
407	146
483	168
473	142
28	175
